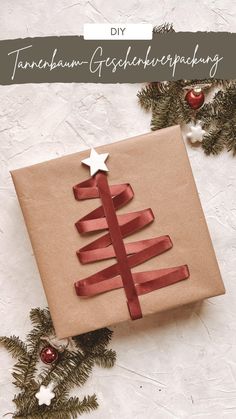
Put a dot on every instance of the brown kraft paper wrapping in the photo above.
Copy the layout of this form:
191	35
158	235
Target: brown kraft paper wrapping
157	167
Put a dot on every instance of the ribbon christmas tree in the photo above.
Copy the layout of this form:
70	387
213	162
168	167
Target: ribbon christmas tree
111	245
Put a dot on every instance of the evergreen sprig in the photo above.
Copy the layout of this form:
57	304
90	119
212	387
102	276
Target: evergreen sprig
164	28
166	101
73	368
14	345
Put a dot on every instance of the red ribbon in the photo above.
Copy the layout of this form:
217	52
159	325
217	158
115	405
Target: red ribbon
128	255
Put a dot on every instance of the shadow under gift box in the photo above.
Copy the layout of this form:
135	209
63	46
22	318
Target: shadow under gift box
156	166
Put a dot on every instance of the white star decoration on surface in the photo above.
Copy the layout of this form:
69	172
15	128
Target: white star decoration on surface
45	395
96	162
196	134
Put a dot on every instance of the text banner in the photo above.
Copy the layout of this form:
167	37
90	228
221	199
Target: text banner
169	56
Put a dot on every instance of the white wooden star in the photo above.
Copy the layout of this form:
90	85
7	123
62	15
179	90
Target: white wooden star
45	395
96	162
196	134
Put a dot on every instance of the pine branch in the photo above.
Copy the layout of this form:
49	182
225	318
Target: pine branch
165	28
70	409
14	345
75	368
24	371
166	101
71	369
183	111
76	407
26	399
42	322
148	96
75	373
42	318
230	138
105	358
93	340
213	142
160	113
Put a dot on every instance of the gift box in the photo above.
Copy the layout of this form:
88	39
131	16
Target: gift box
146	250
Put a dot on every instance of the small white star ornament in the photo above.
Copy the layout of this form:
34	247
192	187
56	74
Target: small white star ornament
96	162
196	134
45	395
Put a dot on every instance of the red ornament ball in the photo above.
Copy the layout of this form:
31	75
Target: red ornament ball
195	98
48	355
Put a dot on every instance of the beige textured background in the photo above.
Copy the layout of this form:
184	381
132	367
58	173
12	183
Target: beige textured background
180	365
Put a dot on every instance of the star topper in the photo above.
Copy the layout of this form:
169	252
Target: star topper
96	162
